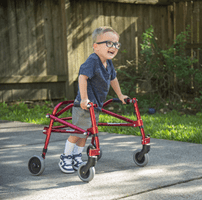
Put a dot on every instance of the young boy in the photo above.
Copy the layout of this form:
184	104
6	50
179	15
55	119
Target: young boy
95	77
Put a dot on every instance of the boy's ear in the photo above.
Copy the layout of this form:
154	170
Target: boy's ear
95	46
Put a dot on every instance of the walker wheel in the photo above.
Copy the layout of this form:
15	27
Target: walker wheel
36	165
143	162
93	147
88	176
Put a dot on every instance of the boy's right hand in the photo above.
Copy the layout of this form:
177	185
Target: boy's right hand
84	103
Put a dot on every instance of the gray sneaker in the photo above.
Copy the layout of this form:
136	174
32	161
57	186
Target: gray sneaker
77	161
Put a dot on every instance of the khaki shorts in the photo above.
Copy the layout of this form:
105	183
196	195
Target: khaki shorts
82	119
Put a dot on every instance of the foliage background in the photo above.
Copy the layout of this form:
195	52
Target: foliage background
167	78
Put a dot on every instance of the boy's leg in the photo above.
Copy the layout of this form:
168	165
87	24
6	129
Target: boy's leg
78	140
69	146
79	146
82	119
81	142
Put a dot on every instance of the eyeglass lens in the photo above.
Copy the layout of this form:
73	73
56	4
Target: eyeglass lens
110	44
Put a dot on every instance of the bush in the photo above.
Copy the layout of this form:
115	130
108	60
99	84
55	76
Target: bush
166	74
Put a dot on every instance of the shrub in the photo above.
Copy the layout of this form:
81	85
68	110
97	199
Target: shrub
168	72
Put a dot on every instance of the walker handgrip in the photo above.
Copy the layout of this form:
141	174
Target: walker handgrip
117	100
77	104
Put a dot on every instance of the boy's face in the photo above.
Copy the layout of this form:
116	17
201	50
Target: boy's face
102	50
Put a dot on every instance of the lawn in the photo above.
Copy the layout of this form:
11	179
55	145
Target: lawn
170	126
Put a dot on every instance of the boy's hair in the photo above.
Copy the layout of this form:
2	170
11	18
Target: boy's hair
102	30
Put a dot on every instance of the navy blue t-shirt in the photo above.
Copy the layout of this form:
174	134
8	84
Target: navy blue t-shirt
98	82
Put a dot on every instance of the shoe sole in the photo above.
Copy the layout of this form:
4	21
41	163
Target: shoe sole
76	168
66	172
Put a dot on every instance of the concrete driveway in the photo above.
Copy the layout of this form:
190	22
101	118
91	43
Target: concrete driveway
174	170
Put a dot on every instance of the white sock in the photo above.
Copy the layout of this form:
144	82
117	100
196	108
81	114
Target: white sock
68	148
77	149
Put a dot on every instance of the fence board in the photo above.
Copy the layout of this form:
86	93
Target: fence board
131	33
31	35
123	38
80	37
125	29
200	22
48	33
4	44
22	38
13	39
55	22
134	38
170	25
75	43
107	13
200	35
33	79
189	20
196	22
100	14
41	53
87	30
69	15
164	23
119	29
139	27
42	91
69	82
146	21
157	25
74	61
196	34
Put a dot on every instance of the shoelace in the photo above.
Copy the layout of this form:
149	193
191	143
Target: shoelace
78	159
67	161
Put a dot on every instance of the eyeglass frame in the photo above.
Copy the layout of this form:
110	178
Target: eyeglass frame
114	43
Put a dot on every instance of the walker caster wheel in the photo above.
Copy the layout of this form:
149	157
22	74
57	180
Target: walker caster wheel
36	165
143	162
88	176
87	151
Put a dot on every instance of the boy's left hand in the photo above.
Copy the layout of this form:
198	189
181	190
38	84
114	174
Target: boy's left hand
122	97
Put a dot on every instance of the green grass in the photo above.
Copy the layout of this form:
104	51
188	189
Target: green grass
21	112
170	126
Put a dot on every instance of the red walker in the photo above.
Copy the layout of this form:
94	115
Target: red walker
86	171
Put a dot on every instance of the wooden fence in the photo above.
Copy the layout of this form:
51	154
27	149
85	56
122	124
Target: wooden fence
33	61
189	13
43	43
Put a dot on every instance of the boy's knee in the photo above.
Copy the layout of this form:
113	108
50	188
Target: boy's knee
73	139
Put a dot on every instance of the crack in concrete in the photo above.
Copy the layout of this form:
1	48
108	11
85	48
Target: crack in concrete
158	188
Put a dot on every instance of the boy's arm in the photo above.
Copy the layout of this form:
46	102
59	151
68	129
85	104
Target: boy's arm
83	91
116	87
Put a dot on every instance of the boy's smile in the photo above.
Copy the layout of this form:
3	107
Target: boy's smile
101	47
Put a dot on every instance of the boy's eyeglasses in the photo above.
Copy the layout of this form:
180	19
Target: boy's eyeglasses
117	45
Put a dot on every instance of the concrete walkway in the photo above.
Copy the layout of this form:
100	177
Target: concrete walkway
174	170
